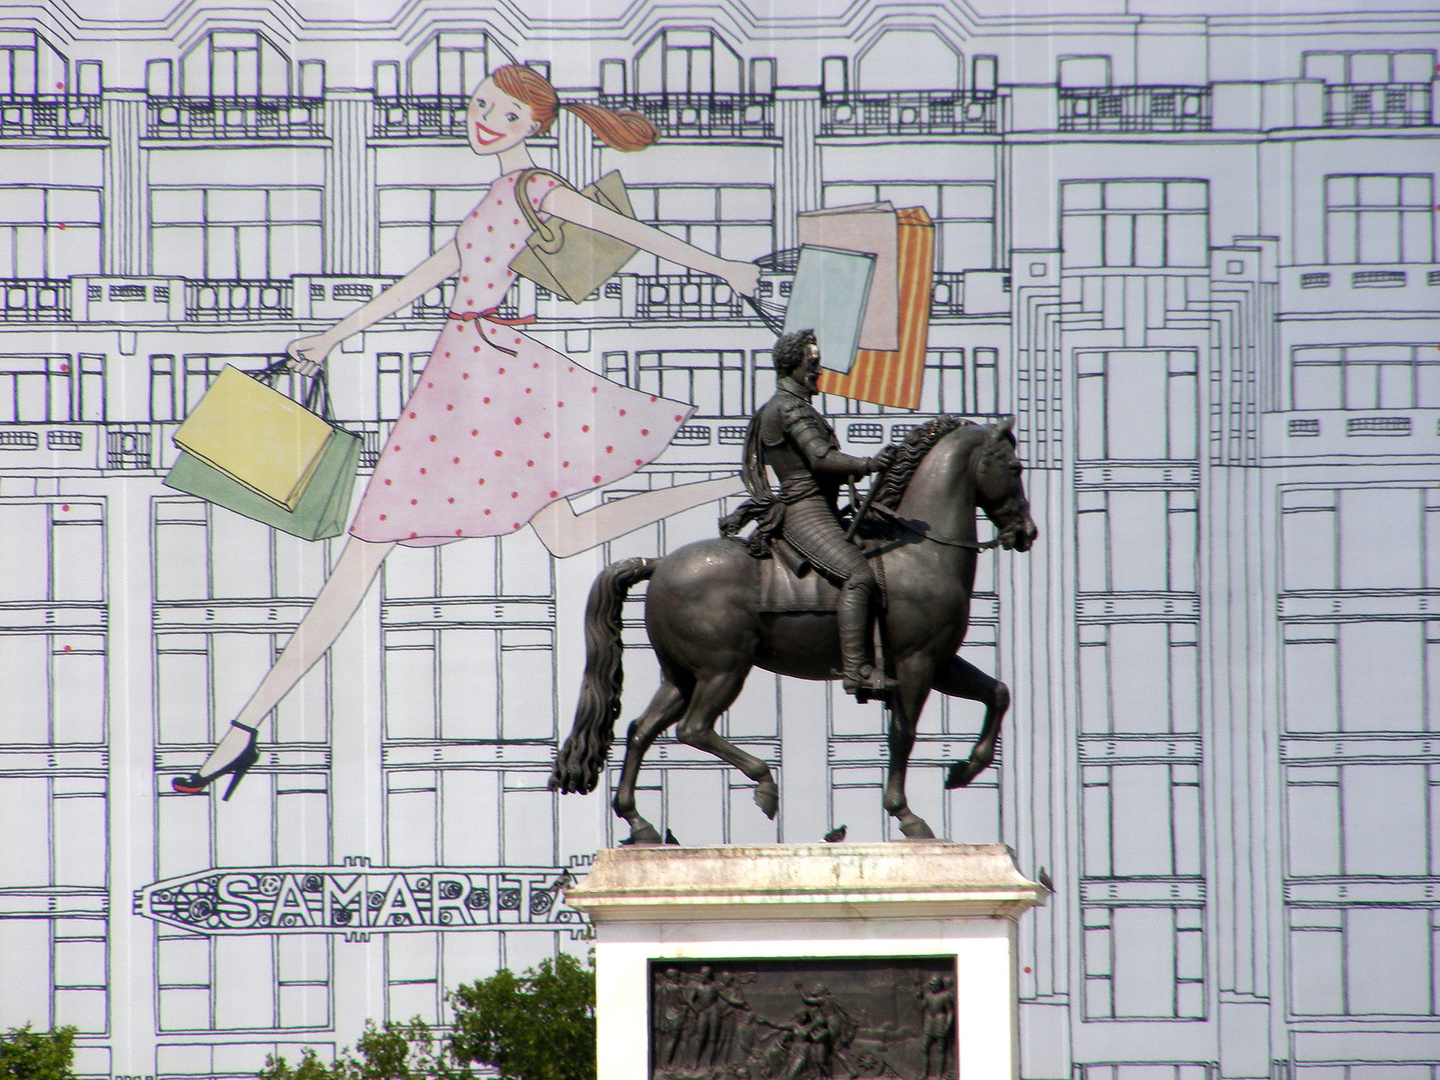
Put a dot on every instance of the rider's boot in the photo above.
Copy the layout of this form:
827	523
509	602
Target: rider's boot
859	676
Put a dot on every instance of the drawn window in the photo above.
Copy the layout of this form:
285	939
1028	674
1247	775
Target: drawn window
1141	223
1361	676
1365	377
49	231
733	221
1142	820
713	381
56	973
57	832
242	982
688	62
1137	541
1380	218
1367	820
953	386
1137	404
1139	678
453	64
235	64
1360	538
54	554
964	216
469	683
235	233
178	384
415	222
1144	963
1363	961
51	389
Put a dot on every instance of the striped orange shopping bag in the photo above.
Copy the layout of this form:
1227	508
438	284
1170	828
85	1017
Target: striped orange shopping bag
894	377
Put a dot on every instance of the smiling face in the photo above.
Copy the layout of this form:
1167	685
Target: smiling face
495	121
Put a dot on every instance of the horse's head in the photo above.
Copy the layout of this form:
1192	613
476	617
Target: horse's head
999	490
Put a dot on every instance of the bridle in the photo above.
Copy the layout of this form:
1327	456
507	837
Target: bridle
923	531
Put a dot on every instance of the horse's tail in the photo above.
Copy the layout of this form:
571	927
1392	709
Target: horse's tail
578	764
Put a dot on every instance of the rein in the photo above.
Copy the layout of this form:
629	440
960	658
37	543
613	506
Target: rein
925	533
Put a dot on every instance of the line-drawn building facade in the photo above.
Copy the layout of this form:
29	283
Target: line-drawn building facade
1194	256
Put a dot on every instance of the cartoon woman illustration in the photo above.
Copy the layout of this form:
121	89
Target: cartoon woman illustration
500	429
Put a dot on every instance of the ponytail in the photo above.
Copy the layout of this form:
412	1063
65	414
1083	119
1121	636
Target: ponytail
617	129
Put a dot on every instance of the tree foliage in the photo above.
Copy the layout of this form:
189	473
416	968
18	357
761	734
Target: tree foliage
37	1055
535	1026
407	1051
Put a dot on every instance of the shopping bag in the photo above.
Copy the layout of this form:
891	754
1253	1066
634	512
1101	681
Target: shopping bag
828	296
872	228
569	259
323	509
893	377
255	435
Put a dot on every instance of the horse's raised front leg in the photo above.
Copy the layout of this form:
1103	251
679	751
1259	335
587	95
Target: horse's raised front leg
664	709
962	679
904	718
713	695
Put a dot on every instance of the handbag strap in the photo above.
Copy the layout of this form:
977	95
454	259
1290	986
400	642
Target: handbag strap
548	238
317	394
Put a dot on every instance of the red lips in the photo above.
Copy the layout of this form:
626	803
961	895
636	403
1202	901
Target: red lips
484	136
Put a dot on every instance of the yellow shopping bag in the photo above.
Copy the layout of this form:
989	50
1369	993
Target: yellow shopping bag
257	436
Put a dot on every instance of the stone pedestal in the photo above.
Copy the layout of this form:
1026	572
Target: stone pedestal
866	955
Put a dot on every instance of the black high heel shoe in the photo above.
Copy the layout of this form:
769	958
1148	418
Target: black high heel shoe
194	784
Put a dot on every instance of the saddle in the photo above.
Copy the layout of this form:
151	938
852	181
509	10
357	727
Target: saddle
789	585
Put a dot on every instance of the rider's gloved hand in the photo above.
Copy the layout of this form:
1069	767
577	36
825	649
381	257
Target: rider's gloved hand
883	460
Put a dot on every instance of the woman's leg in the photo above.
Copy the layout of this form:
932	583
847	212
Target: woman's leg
565	532
338	601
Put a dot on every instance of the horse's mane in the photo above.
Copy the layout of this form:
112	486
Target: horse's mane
918	442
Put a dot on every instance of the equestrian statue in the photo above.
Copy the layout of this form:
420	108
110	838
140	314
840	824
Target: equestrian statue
795	595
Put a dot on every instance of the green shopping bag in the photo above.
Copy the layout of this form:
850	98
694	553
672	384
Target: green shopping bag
323	510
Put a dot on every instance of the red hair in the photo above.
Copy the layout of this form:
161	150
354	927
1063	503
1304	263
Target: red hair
616	129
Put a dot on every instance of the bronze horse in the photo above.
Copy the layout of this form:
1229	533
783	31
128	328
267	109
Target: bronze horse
703	614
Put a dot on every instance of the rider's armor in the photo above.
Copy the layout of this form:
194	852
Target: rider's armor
801	447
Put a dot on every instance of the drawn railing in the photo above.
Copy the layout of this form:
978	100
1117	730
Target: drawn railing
722	116
34	300
676	296
923	112
234	118
1135	108
434	116
238	301
1378	105
50	116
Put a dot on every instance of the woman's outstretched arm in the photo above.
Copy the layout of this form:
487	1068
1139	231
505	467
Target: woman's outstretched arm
309	353
566	203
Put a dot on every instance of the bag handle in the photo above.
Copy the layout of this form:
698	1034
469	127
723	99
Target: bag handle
548	238
317	394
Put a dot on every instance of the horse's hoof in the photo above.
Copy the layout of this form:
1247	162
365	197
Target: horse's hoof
916	829
643	833
767	797
962	772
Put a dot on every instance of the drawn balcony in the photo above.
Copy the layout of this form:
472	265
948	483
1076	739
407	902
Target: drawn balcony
921	112
433	116
234	118
50	116
34	300
1379	105
1135	108
702	116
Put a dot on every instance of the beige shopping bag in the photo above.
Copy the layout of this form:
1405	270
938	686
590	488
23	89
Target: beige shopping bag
257	436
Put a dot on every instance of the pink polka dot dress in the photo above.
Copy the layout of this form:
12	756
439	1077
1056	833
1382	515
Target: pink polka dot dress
499	425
